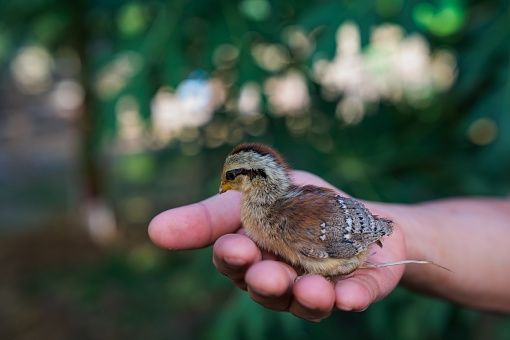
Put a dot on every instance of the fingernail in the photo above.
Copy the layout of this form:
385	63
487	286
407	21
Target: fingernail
260	292
307	305
234	261
344	308
351	309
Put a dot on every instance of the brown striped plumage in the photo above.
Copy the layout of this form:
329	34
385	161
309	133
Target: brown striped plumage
309	226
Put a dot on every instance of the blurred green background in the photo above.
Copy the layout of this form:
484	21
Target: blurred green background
113	111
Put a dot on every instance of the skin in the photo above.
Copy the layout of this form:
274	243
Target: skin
468	236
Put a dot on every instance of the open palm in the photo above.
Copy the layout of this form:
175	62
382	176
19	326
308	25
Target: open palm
269	281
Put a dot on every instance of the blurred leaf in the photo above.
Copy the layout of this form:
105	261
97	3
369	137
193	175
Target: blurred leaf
132	19
137	168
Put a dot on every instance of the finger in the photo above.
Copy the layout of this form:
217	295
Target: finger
354	294
233	254
270	284
314	298
197	225
365	287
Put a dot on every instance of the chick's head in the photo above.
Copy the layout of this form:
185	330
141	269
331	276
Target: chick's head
251	166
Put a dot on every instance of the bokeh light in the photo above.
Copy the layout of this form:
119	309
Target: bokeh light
191	105
271	57
257	10
287	94
32	69
67	96
117	74
250	97
482	131
394	68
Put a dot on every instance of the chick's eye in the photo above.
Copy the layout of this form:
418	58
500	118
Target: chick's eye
229	176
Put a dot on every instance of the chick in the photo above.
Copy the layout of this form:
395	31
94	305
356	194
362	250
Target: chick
311	227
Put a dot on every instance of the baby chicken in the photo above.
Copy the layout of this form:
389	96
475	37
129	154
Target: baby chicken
311	227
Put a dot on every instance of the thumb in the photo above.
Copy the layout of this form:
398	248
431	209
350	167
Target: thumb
197	225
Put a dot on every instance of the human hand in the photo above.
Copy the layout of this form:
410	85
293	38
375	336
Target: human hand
271	282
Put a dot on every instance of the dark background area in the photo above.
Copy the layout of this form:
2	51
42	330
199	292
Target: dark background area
113	111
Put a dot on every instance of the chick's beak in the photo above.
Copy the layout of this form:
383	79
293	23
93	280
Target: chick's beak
224	187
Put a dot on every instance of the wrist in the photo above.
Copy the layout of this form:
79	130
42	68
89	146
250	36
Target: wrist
426	239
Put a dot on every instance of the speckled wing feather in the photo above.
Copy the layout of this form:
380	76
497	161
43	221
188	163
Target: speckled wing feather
338	227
